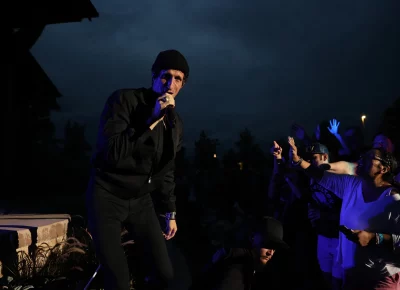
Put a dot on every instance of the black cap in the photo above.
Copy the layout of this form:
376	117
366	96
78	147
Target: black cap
271	231
317	148
171	59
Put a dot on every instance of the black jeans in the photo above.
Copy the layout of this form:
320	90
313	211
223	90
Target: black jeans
106	213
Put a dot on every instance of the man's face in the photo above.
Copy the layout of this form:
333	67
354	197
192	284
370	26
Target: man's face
370	165
168	82
266	255
318	159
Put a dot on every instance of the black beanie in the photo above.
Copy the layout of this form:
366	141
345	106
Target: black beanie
171	59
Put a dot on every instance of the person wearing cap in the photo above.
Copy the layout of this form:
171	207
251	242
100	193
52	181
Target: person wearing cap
324	214
139	136
245	268
369	242
344	167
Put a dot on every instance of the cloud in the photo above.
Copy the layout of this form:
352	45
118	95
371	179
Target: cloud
261	64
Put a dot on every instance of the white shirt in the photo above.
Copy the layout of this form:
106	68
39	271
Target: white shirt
380	216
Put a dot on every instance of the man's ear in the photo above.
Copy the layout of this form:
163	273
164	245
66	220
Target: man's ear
385	169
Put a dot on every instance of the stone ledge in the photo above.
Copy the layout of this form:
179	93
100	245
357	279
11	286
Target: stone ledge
19	231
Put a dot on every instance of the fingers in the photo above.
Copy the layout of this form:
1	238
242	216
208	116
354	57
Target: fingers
166	101
334	123
291	141
171	233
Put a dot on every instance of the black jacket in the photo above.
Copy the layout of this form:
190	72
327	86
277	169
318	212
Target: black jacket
124	158
235	271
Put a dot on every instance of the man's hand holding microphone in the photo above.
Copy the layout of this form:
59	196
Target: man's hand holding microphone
163	110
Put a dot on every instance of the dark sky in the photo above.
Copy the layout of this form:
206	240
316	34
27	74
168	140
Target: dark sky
255	64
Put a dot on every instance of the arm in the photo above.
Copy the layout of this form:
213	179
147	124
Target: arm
117	138
390	242
343	167
334	130
342	143
336	183
273	187
276	179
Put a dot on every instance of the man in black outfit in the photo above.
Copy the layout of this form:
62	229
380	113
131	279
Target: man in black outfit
246	268
139	136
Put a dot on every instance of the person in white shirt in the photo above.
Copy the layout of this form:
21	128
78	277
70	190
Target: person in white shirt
369	251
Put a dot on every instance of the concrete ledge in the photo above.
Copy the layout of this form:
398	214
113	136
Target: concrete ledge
20	231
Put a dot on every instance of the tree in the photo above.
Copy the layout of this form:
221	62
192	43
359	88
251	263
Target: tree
75	145
73	176
205	152
390	125
249	153
230	159
250	182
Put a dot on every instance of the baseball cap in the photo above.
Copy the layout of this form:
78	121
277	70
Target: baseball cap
317	148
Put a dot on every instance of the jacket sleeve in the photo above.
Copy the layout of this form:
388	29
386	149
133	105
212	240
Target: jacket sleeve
117	137
168	186
274	184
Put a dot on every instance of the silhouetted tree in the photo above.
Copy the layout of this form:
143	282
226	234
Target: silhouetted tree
75	145
230	159
390	125
74	161
249	153
205	148
251	181
41	151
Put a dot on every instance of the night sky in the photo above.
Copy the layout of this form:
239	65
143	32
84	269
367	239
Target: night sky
255	64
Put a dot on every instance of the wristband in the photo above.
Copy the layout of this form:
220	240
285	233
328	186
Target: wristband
170	215
298	162
379	238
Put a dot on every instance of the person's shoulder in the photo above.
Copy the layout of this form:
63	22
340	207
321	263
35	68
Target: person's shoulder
135	93
127	96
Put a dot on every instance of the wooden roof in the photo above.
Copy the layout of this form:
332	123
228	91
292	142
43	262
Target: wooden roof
25	13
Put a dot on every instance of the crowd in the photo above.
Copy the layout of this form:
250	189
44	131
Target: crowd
338	204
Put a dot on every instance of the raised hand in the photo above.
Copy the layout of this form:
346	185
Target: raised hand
161	104
276	151
293	150
334	127
299	131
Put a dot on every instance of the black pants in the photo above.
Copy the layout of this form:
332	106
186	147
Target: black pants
106	213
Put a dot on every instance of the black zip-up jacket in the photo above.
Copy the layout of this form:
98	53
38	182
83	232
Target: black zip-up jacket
236	271
124	160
